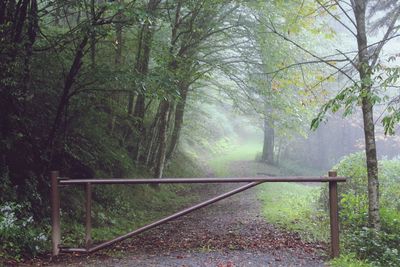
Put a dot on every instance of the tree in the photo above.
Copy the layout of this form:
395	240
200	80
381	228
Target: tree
193	24
365	62
282	99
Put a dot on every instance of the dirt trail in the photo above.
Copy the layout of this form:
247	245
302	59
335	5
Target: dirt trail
229	233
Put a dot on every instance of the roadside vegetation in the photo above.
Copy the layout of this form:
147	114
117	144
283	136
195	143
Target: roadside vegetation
294	207
303	208
116	210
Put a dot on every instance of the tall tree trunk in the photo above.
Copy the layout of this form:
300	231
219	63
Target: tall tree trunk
68	83
118	61
32	31
152	136
179	112
162	138
365	73
269	138
278	154
118	39
93	34
141	67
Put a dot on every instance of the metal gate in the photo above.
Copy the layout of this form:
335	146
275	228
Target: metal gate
57	181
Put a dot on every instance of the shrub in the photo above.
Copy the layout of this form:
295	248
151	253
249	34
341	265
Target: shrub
18	235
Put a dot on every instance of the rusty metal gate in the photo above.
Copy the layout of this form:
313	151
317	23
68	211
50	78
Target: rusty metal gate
57	181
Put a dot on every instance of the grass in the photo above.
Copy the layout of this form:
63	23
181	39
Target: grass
233	152
122	209
293	207
348	260
118	209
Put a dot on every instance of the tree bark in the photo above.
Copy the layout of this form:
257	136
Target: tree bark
162	138
141	67
93	34
118	39
118	61
269	138
365	72
179	112
69	81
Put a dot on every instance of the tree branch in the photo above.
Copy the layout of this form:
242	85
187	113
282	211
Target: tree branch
335	18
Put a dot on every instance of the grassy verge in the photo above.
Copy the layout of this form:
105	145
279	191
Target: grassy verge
293	207
348	260
118	209
131	208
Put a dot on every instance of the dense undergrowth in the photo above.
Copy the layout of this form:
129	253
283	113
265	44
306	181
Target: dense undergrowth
116	210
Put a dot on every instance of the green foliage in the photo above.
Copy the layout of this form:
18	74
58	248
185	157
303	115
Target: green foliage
294	207
347	99
390	183
19	235
379	248
282	92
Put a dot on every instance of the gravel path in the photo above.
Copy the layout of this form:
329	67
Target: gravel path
229	233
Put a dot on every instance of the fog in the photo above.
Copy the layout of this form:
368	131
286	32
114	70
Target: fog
336	137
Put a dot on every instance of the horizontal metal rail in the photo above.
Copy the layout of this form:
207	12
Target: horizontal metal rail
300	179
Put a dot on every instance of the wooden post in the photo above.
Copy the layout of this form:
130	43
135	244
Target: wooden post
334	215
55	214
88	217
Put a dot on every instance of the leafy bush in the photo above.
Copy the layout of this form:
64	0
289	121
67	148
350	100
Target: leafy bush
379	248
354	168
390	183
18	234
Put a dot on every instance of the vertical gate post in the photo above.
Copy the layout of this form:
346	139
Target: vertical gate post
88	215
334	215
55	214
